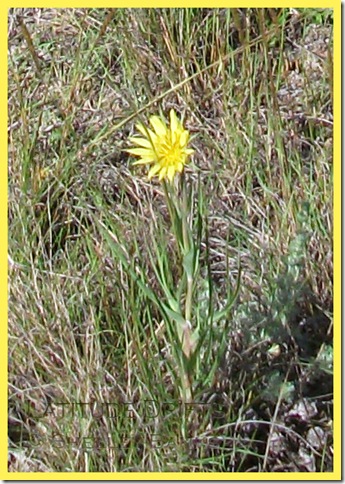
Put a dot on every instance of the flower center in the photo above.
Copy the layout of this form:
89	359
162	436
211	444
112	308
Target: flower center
170	153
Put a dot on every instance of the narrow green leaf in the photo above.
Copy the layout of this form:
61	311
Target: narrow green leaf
188	263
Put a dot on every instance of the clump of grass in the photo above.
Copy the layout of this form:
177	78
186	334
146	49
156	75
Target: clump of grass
92	382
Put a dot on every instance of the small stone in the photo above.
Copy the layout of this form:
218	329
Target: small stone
317	438
303	411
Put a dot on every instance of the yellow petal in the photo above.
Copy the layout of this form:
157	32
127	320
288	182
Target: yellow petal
171	172
158	125
140	151
147	132
141	142
173	121
154	170
179	167
163	173
140	127
184	138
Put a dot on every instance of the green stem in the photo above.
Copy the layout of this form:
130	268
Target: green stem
176	206
169	204
187	330
172	214
186	242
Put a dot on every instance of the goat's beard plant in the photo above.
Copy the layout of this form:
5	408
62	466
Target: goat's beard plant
165	149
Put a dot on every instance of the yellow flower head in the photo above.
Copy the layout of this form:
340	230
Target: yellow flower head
165	147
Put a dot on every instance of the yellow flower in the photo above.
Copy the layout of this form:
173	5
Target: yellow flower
165	147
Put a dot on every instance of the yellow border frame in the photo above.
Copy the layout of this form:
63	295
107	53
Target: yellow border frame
336	474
